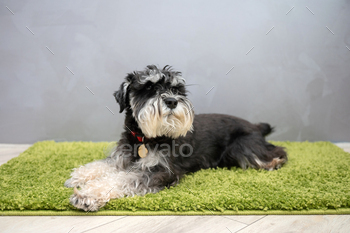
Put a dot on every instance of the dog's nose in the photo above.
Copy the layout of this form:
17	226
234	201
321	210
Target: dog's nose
171	102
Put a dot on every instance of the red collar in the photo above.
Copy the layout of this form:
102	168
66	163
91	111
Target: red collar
140	137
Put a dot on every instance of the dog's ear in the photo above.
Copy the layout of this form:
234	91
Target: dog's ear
121	96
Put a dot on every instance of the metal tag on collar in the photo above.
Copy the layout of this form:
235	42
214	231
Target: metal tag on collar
142	151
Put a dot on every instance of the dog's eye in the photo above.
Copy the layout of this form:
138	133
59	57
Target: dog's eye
174	90
149	86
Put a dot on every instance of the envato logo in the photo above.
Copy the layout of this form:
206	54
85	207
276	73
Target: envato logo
164	149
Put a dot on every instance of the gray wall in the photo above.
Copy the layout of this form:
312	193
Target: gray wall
297	76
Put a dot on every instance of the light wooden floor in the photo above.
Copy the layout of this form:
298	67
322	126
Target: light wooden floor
134	224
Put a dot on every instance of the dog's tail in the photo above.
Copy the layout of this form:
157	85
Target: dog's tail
265	129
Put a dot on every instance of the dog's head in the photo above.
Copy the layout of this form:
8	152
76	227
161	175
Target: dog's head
158	102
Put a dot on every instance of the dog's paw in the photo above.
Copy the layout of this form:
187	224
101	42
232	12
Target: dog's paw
84	202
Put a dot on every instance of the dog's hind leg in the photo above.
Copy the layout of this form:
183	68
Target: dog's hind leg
252	151
271	158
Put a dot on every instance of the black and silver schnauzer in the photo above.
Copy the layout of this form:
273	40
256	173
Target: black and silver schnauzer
163	140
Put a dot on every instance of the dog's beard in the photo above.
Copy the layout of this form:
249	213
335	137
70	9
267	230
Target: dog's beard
156	119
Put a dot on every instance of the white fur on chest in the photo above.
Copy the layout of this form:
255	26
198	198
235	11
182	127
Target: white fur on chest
153	158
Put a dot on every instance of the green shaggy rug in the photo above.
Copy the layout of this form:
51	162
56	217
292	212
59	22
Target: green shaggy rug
316	180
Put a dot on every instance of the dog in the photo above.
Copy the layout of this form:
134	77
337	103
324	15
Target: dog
163	140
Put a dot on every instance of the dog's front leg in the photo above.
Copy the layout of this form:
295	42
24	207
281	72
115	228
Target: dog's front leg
90	171
94	194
